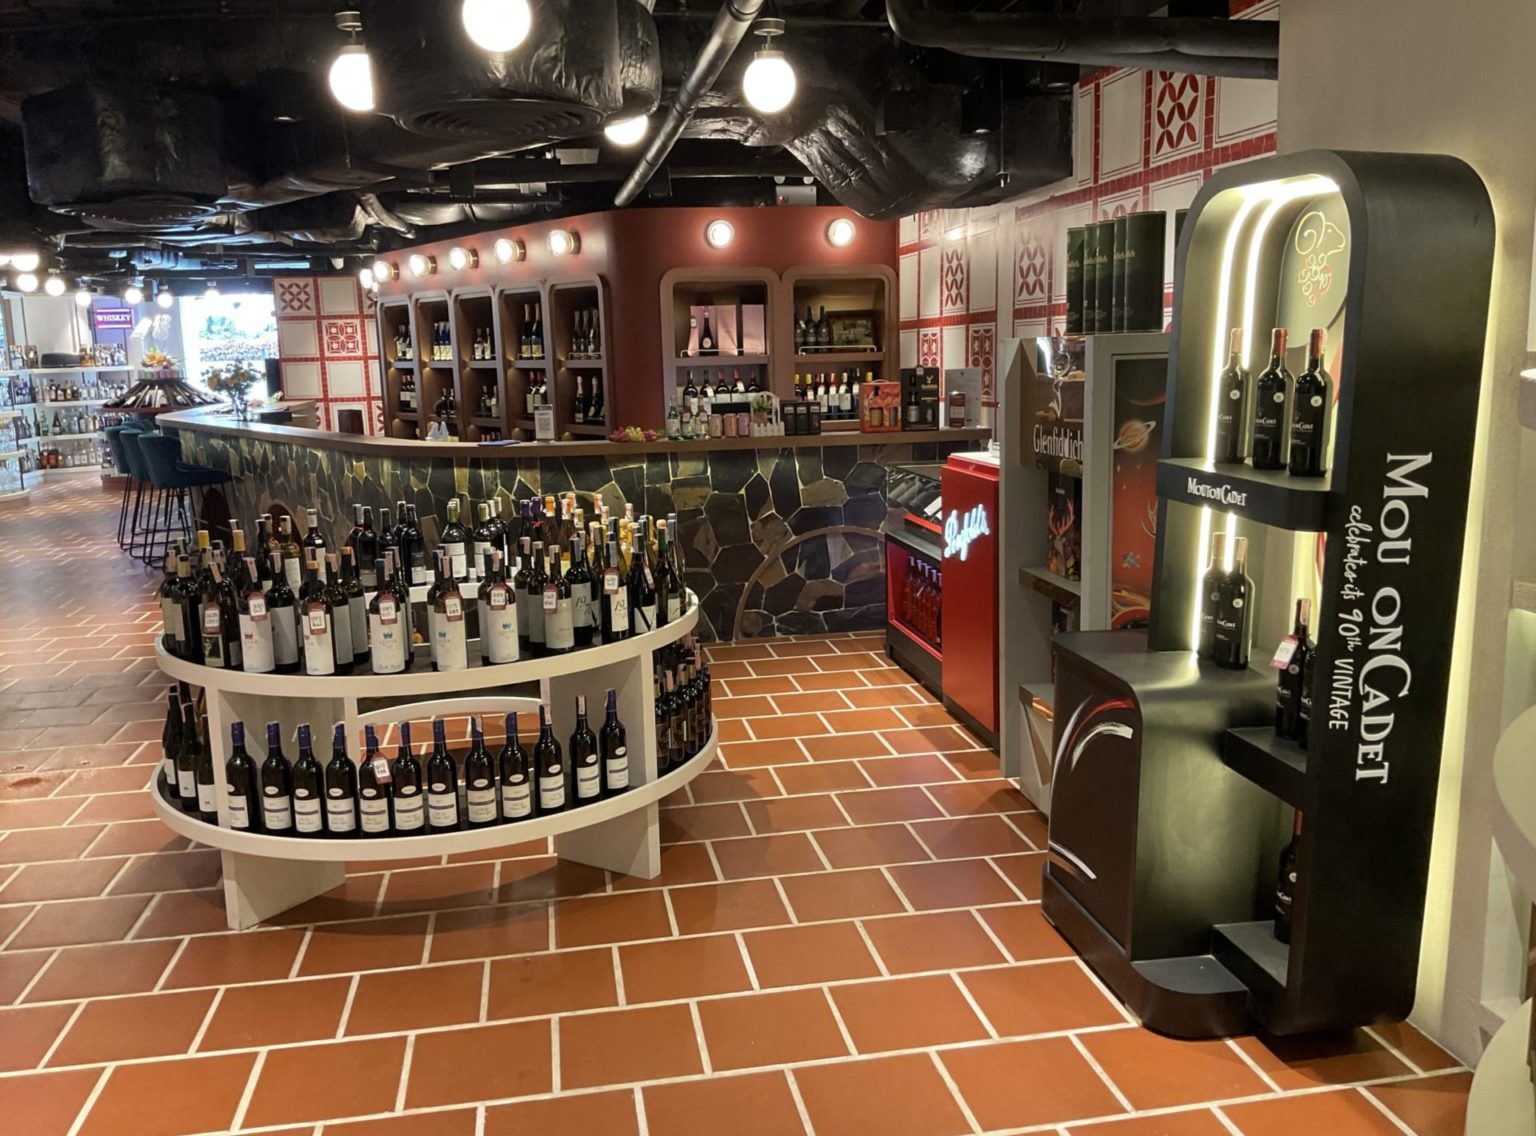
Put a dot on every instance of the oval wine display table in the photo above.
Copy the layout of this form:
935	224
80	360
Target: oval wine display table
266	875
1503	1099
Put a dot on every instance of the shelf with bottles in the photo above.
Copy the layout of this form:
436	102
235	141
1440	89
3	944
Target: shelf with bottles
477	355
838	318
578	335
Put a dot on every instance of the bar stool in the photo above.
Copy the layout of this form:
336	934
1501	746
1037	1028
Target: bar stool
172	479
141	525
124	470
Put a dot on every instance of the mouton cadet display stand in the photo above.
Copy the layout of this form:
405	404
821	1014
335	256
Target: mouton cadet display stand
267	875
1172	796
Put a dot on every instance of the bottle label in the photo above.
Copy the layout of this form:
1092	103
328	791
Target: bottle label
410	812
498	633
559	630
319	651
306	814
210	619
374	813
581	605
389	613
277	814
342	815
369	578
239	811
483	548
516	800
674	607
256	644
589	781
205	799
186	784
292	572
341	638
618	612
645	618
552	792
386	645
357	624
618	768
451	651
443	807
459	559
170	615
480	804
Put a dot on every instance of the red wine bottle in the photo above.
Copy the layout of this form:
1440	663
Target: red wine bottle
1232	406
480	789
1272	408
586	765
373	788
276	785
407	789
1310	411
442	783
340	788
514	776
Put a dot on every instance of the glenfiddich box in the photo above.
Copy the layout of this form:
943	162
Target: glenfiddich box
1141	298
1117	278
1102	306
880	407
1075	238
1064	513
1090	275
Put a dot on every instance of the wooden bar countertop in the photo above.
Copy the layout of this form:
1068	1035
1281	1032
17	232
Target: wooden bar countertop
217	420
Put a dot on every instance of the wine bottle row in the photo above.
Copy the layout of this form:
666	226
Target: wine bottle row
1226	605
298	606
1279	422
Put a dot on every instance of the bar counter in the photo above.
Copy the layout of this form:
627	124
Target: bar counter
781	536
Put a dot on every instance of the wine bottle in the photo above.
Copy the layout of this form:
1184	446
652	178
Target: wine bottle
189	600
579	578
663	725
514	776
373	787
1232	411
677	723
1285	883
1291	659
613	746
315	623
256	653
170	743
1310	413
293	559
559	629
171	633
615	600
407	788
242	796
388	647
550	767
707	344
413	548
535	601
482	540
1234	612
1210	596
498	614
669	598
276	785
186	761
642	584
365	549
1272	408
456	538
282	608
450	635
340	788
442	783
339	605
586	762
1304	709
480	788
308	788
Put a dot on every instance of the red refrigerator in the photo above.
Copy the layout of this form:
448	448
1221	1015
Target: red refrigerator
969	616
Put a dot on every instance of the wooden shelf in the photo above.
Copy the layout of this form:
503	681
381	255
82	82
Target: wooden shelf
494	423
584	364
1042	575
1269	497
587	430
839	357
530	364
402	364
482	365
686	361
1271	763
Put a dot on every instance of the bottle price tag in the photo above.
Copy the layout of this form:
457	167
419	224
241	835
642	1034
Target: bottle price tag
381	771
650	581
551	599
498	598
258	605
387	613
317	617
211	619
1284	652
610	582
453	609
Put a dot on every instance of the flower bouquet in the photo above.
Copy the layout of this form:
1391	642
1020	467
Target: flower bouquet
234	381
157	361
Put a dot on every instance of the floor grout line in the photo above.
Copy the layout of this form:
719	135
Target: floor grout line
346	1006
954	1091
618	976
405	1071
1248	1060
90	1101
1392	1117
257	1066
698	1035
1104	1076
1394	1050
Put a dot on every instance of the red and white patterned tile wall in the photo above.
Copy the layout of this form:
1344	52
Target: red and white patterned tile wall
326	341
1142	141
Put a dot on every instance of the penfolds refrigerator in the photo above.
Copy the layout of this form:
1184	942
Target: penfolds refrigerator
970	614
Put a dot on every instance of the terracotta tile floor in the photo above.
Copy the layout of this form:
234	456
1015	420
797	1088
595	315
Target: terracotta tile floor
846	938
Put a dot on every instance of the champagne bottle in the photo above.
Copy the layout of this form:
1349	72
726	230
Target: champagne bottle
514	776
442	783
498	615
586	763
406	787
1232	411
373	787
1272	408
1310	413
549	765
1234	612
613	742
242	798
308	789
340	788
480	788
276	785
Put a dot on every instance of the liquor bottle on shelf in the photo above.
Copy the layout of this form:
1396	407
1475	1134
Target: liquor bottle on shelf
613	744
480	787
389	648
550	768
276	785
597	405
615	599
316	620
407	788
1234	612
413	548
525	334
1285	882
242	800
823	330
170	743
170	611
669	600
313	539
188	599
308	788
583	612
357	606
281	606
339	604
498	615
1232	410
800	336
456	539
482	539
642	585
186	760
1304	706
586	762
707	343
373	788
340	788
533	600
579	401
536	336
293	559
1210	596
1272	408
220	622
677	724
1310	411
442	783
514	776
1291	660
450	635
559	616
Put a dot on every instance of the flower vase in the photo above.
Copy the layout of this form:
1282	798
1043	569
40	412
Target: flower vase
240	409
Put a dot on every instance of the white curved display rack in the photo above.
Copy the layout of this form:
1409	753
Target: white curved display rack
1503	1099
266	875
1513	818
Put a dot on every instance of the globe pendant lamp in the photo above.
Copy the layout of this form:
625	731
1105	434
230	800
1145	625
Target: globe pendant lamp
352	72
497	25
770	82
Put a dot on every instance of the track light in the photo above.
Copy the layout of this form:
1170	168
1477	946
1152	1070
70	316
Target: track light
508	250
165	298
840	233
384	271
420	264
461	258
563	242
54	285
352	71
83	298
769	83
627	131
133	294
720	233
25	261
26	282
497	25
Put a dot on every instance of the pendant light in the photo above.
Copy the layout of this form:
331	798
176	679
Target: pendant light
497	25
769	83
54	285
133	294
83	298
165	298
352	71
627	131
26	282
25	261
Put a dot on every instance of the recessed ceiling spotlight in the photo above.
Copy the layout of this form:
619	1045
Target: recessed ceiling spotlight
508	250
563	242
26	282
352	71
840	233
133	294
460	258
25	261
419	264
769	82
720	233
384	270
627	131
497	25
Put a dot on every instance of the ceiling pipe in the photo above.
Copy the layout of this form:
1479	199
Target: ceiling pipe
731	25
1241	49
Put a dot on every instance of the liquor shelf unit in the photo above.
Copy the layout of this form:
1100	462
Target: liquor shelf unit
1172	798
265	875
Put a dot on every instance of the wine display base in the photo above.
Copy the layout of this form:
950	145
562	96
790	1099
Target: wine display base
266	875
1503	1098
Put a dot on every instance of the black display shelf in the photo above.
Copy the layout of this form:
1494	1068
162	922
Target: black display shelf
1267	497
917	542
1251	952
1271	763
